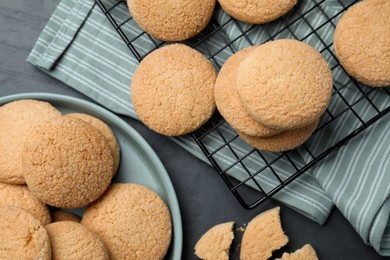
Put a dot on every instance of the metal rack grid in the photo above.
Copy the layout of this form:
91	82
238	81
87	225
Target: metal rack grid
353	105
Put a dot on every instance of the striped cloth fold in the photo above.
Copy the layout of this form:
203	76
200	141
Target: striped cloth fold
79	47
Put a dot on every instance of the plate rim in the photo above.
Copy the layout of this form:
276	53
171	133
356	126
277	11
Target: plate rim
175	208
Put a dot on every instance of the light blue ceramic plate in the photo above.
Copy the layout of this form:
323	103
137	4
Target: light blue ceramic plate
139	163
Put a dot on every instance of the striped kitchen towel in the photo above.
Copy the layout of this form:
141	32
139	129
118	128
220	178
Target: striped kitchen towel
79	47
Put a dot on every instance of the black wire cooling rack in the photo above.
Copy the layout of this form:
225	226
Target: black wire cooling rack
353	108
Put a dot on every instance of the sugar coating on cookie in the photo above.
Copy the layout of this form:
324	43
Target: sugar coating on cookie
263	235
60	215
215	243
132	221
307	252
107	133
173	90
22	235
21	196
67	162
71	240
229	103
362	40
284	84
284	141
17	119
171	20
257	11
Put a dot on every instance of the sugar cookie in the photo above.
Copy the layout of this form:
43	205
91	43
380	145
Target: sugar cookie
173	90
263	235
22	235
71	240
229	103
67	162
257	11
362	40
284	84
286	140
171	20
17	119
132	221
215	243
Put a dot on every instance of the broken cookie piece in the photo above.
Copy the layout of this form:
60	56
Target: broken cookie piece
215	243
263	235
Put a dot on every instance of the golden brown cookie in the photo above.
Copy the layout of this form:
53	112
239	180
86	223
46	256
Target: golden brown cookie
284	84
71	240
362	40
257	11
284	141
171	20
229	103
107	133
17	119
263	235
215	243
22	236
132	221
173	90
67	162
21	196
60	215
307	252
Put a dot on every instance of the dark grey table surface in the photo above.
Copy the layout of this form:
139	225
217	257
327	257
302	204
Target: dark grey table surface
203	197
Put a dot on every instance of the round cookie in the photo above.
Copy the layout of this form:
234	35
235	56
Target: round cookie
284	84
59	215
132	221
107	133
286	140
263	235
257	11
21	196
172	20
17	119
67	163
173	90
71	240
362	40
215	243
229	103
22	236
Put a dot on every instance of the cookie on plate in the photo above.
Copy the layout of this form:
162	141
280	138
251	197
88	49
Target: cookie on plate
67	163
21	196
22	235
257	11
307	252
362	40
173	90
132	221
71	240
60	215
171	20
229	103
215	243
263	235
284	84
17	119
284	141
107	133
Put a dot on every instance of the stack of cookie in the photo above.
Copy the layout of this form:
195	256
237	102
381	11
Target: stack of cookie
274	94
68	161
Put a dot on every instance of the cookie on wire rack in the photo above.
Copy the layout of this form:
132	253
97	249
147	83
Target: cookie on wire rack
362	40
257	11
172	20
